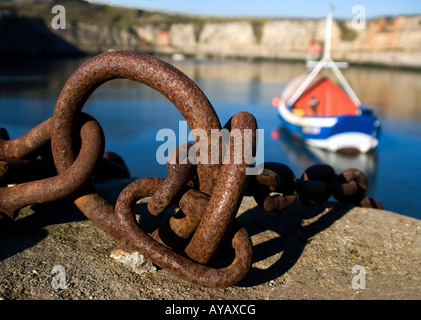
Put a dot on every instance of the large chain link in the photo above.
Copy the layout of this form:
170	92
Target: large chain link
70	147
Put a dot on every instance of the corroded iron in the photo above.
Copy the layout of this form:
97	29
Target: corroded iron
179	175
227	195
153	72
168	259
30	142
145	69
275	188
59	186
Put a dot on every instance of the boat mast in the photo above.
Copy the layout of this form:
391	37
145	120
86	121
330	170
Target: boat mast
328	36
325	62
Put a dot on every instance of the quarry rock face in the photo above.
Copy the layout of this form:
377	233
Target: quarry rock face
391	41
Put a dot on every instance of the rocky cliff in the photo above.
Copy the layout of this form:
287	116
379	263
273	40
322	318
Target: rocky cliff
386	41
389	41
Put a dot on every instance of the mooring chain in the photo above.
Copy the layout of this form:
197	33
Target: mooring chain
56	187
277	188
208	194
28	175
212	179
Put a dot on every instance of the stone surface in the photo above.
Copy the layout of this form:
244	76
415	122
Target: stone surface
328	251
136	260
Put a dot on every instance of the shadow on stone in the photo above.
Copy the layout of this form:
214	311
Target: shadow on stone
279	238
28	229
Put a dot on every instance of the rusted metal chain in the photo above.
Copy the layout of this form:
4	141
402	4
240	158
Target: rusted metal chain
317	184
62	185
208	194
174	190
23	146
175	86
151	71
33	178
155	73
227	195
179	174
168	259
274	188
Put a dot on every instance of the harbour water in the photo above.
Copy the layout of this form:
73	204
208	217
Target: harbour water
131	114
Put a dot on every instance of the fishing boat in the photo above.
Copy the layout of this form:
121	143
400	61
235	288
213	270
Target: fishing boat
325	114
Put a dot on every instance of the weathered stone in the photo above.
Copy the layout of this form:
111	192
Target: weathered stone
135	260
392	41
320	252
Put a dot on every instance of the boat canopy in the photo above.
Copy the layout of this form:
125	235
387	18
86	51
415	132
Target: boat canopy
324	98
311	86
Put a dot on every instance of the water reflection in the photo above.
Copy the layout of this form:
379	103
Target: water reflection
391	93
306	156
131	114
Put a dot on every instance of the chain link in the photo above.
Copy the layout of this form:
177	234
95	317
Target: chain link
208	195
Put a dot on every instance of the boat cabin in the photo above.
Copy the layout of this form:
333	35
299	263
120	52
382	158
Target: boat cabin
324	98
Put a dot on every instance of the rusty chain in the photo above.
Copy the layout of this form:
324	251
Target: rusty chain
67	152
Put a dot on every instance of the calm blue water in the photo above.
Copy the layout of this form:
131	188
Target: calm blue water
131	115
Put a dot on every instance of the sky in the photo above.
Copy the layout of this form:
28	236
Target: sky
276	8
